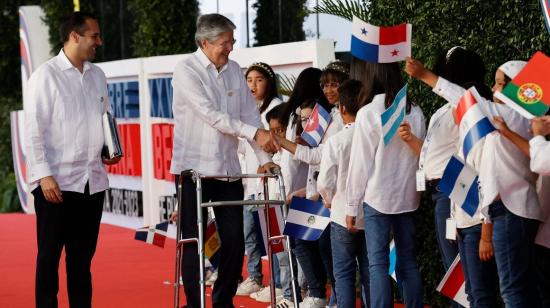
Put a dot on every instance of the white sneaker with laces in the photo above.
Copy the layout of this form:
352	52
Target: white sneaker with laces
210	281
283	303
313	302
264	295
247	287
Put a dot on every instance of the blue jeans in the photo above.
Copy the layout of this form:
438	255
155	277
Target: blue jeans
543	272
252	245
513	242
377	234
349	250
315	258
481	276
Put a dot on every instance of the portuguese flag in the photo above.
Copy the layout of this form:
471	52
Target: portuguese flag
529	92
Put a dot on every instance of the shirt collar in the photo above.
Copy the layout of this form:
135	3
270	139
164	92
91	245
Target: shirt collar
205	62
65	64
349	125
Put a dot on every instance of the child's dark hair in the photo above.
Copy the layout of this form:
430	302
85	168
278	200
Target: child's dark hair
276	113
460	65
335	71
76	21
269	74
349	95
481	88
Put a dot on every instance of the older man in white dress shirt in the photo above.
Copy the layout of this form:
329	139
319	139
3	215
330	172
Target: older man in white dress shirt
66	98
212	108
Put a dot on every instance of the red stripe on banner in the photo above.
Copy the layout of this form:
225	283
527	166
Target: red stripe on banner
454	281
466	101
277	246
393	35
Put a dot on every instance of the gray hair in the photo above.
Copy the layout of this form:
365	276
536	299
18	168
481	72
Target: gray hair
210	26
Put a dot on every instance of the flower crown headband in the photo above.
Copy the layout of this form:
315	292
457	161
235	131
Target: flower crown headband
337	66
263	67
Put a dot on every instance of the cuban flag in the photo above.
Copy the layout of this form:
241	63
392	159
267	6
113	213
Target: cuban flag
306	219
394	115
453	284
393	260
473	125
212	243
460	184
545	6
154	236
380	44
276	225
316	126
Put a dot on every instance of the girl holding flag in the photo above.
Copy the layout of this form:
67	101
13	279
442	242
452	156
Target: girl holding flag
509	198
388	202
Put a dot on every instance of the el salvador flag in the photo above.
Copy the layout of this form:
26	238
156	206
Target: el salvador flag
460	184
316	126
394	115
306	219
380	44
473	125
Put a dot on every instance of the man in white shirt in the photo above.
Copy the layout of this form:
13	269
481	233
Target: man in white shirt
67	97
212	108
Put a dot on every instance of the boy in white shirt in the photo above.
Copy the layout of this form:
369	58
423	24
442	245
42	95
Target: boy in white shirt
348	247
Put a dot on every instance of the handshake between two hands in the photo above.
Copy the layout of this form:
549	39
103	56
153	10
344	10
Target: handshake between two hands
267	141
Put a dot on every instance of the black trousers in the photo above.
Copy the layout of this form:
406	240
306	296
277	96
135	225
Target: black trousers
229	222
73	224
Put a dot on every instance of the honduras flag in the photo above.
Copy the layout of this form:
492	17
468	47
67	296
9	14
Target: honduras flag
306	219
393	260
316	126
472	122
155	236
460	184
380	44
394	115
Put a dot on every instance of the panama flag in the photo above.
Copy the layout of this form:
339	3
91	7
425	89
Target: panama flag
529	92
393	260
453	284
394	115
276	224
306	219
155	236
472	122
460	183
316	126
545	6
380	44
212	243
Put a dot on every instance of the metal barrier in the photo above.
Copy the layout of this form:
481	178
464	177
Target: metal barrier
197	178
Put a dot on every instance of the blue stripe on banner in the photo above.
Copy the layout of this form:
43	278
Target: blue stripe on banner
386	115
302	232
450	175
363	50
309	139
259	233
323	113
476	133
308	206
472	199
162	226
394	127
141	235
393	261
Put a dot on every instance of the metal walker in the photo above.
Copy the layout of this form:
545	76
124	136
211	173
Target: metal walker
197	177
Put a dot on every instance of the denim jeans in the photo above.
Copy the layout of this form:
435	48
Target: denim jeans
349	250
543	272
252	245
377	234
315	258
481	276
513	242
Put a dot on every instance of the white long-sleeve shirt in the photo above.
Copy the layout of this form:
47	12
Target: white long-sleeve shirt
211	110
64	127
504	168
333	173
539	149
294	171
381	175
463	219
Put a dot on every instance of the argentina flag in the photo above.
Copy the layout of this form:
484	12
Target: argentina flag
394	115
460	184
306	219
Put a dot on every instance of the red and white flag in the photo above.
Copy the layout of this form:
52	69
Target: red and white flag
276	226
453	284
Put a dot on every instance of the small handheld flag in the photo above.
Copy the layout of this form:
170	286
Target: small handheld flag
316	126
394	115
460	184
453	284
155	236
276	224
473	125
212	243
380	44
393	260
545	6
306	219
529	92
